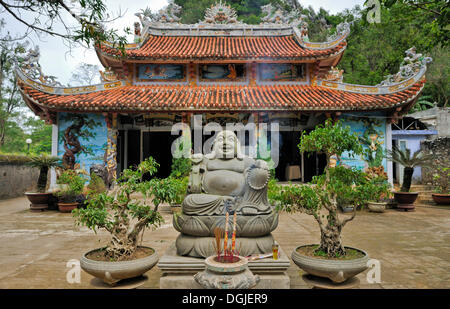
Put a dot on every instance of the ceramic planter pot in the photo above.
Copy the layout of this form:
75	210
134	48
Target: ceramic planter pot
405	200
219	275
441	199
336	270
113	272
39	201
347	208
67	207
376	207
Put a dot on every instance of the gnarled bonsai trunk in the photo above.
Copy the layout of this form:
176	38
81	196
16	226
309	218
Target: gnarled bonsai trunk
407	177
331	242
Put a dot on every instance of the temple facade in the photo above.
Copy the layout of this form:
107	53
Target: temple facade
219	70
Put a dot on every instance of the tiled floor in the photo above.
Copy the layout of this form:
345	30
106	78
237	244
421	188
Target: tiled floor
413	247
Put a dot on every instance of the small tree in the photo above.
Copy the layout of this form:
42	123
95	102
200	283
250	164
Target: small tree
44	163
404	158
329	139
125	217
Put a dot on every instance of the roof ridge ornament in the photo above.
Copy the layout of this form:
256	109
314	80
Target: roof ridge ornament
168	14
411	65
31	67
412	70
220	13
277	15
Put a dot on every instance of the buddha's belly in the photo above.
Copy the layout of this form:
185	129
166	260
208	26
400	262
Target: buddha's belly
223	182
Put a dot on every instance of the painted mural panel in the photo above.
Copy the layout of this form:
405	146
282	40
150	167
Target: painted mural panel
281	72
161	72
222	72
82	140
371	133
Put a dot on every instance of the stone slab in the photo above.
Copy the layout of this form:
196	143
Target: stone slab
184	281
171	263
178	271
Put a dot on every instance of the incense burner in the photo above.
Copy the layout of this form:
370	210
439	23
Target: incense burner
233	274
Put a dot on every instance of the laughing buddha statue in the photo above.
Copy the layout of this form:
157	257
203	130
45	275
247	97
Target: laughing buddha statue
226	181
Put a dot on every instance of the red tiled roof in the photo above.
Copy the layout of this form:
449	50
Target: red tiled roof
214	47
220	98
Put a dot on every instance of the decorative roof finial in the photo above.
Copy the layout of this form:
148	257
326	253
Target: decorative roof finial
277	15
410	66
29	64
220	14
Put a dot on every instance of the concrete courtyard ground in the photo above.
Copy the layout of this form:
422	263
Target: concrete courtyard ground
413	248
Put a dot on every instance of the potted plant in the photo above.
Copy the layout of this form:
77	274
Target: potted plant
329	259
126	219
404	198
180	170
377	191
71	188
442	179
39	200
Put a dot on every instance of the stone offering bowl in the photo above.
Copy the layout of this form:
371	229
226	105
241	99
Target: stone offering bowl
226	275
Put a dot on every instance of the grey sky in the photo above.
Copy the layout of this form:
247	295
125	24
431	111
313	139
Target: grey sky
56	60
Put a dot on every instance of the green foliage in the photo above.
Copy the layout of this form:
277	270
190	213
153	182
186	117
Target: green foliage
43	163
96	185
124	216
338	185
404	158
330	139
71	186
441	179
422	104
14	159
181	167
182	189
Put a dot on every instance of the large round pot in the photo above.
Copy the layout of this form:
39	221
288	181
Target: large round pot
113	272
441	199
39	201
67	207
405	200
336	270
230	275
376	207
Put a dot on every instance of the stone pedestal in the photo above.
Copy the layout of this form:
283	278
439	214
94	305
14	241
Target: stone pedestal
178	271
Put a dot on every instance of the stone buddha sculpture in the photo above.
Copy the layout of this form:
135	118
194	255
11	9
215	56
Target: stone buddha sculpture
226	181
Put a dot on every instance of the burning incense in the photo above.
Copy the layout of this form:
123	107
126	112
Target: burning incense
225	241
233	238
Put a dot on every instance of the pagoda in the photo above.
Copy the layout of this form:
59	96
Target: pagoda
225	71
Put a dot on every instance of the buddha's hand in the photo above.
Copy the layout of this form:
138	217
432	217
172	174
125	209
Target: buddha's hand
262	164
258	176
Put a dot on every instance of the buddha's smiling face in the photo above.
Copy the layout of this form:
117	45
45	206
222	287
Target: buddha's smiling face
225	145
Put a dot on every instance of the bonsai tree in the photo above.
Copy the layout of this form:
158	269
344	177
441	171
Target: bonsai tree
71	186
442	178
124	216
404	158
376	189
331	140
43	163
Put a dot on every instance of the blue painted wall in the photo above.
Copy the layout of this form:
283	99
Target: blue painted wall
92	137
372	134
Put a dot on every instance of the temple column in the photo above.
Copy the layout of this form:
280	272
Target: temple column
111	151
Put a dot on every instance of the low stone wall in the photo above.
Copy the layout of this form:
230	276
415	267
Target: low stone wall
15	179
440	148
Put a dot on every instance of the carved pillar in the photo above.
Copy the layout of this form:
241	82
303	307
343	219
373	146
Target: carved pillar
111	150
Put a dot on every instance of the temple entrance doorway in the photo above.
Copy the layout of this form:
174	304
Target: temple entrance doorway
158	145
